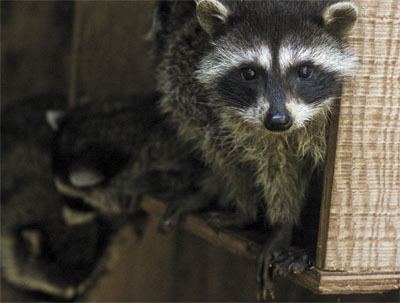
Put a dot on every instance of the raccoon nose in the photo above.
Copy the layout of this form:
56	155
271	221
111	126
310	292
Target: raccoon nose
278	122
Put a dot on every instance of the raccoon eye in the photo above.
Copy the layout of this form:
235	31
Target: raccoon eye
248	74
305	71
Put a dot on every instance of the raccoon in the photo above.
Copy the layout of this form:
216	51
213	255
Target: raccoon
113	151
47	247
251	85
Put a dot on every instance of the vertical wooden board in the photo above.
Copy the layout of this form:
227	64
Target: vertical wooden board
362	231
110	53
110	57
142	269
35	41
230	278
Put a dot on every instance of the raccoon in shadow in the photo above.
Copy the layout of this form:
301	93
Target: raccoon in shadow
251	85
112	152
51	245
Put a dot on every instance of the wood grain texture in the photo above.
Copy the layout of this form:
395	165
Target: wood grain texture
241	243
110	54
35	41
326	282
360	233
361	230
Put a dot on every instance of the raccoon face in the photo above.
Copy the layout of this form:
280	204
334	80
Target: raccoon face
278	64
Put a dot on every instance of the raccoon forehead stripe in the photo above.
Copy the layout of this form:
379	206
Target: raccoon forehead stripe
223	59
331	59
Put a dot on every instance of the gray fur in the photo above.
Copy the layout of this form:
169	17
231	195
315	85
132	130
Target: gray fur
266	173
151	161
254	94
40	250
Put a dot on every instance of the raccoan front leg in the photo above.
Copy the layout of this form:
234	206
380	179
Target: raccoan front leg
278	258
181	207
285	198
224	219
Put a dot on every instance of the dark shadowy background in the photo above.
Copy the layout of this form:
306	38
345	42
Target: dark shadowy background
35	47
91	49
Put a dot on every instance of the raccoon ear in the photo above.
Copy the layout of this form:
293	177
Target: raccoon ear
54	117
211	14
339	18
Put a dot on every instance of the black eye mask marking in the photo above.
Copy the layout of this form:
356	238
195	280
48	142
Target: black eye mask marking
240	87
313	83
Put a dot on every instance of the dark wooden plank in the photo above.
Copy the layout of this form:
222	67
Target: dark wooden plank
243	243
34	48
247	244
110	54
327	188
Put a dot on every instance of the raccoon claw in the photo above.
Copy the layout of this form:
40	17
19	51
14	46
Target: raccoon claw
266	288
272	263
166	225
293	260
170	219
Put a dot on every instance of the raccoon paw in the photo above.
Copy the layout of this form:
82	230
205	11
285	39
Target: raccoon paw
273	262
266	288
225	220
179	208
171	218
291	261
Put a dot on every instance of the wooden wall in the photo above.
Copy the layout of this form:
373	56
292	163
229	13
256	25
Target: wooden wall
360	223
110	57
110	53
35	48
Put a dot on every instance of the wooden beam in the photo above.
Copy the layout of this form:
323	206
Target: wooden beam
328	283
360	217
247	244
238	242
110	55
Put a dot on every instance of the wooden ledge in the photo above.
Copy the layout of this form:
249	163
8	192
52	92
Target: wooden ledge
247	244
334	282
242	243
